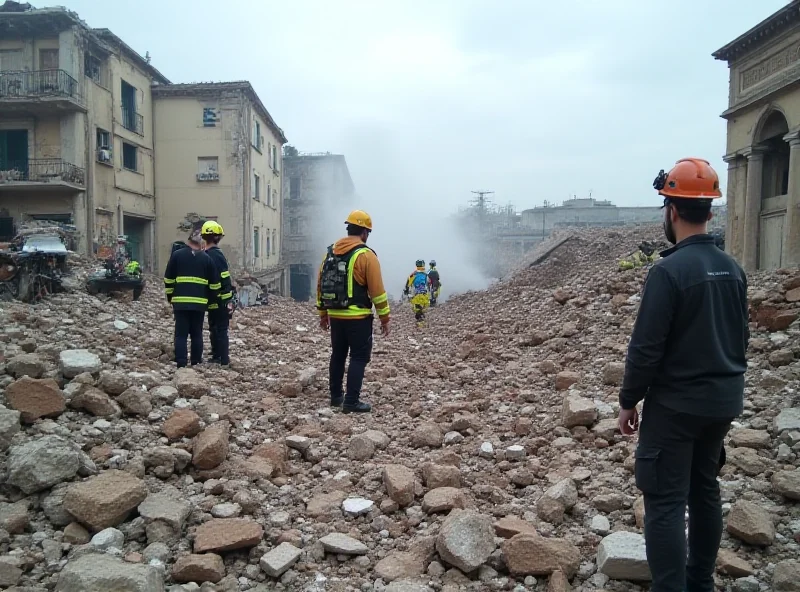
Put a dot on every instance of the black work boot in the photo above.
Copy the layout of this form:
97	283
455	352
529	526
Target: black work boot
359	407
337	402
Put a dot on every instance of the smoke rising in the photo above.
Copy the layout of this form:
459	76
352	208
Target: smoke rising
409	222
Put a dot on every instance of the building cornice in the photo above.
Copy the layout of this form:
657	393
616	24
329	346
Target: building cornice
786	17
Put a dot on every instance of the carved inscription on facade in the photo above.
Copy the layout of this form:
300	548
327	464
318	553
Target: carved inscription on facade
770	66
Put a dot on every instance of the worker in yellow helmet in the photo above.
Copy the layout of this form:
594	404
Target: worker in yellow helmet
348	286
219	313
417	288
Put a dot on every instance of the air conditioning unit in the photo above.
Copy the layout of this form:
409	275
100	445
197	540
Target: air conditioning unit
208	176
104	155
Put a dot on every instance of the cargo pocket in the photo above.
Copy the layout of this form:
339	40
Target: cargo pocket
646	469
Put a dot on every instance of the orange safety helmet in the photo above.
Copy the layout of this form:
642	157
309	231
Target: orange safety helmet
690	178
360	218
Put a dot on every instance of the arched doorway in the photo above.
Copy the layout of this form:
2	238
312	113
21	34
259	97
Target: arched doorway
774	189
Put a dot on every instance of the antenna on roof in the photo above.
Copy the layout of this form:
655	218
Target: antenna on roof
147	57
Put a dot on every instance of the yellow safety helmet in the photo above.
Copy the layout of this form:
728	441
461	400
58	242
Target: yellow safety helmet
359	218
211	227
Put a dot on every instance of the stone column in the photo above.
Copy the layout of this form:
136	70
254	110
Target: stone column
735	216
752	208
791	225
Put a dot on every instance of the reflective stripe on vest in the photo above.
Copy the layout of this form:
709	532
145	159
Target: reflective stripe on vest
353	310
188	300
186	279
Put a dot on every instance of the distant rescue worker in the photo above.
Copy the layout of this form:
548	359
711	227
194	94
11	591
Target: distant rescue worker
416	290
686	360
435	282
348	285
219	313
191	282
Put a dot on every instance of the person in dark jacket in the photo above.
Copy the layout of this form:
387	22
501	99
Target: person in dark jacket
219	312
191	282
686	360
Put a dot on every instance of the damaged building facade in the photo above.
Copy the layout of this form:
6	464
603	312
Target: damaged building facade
763	142
220	158
76	131
313	184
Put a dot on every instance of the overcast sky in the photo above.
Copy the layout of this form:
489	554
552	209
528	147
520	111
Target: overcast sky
429	100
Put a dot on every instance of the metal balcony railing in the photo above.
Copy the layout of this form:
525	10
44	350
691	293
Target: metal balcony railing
41	170
38	84
132	121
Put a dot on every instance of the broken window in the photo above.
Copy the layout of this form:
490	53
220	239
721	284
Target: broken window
274	241
256	187
104	153
208	168
257	139
256	243
294	188
129	157
48	59
210	116
93	68
275	198
267	251
275	158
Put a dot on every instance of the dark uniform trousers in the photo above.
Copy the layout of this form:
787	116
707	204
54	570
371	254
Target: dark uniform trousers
218	323
355	337
677	462
188	323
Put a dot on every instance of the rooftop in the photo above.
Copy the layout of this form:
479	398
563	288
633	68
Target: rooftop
764	31
23	21
215	88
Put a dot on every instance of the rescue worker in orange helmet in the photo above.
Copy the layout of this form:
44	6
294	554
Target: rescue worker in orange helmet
686	360
348	286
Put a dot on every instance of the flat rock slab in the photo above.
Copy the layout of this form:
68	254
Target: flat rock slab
103	573
622	556
751	523
77	361
787	483
748	438
276	562
36	398
190	384
356	506
42	463
527	554
787	420
208	567
158	506
226	534
337	542
466	540
510	526
105	500
443	499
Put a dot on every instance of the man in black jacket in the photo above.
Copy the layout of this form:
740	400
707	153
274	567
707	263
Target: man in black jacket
219	312
686	360
191	282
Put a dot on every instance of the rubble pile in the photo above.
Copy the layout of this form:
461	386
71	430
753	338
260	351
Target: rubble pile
491	460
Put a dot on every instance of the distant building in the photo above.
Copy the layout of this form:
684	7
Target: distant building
587	212
219	158
76	130
763	145
313	184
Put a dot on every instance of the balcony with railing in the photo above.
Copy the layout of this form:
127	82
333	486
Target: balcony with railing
40	88
40	172
132	121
